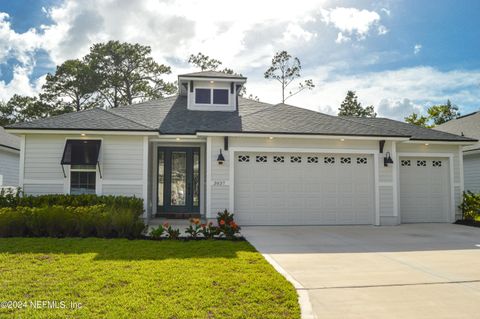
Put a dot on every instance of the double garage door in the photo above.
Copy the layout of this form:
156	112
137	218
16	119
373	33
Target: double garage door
304	189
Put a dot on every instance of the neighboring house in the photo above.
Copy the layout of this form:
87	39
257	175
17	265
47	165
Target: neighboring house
468	125
208	149
9	159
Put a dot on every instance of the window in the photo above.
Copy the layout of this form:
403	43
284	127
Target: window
261	159
421	163
278	159
211	96
437	163
345	160
243	158
329	160
82	179
220	96
312	159
203	96
295	159
405	163
361	160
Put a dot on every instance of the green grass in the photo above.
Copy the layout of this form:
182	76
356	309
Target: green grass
118	278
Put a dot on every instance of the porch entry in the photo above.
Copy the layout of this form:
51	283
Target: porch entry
178	182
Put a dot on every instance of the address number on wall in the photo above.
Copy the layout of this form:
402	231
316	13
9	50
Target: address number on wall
219	183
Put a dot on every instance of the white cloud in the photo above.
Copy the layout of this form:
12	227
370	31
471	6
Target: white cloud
353	21
342	38
394	93
382	30
417	48
20	84
386	11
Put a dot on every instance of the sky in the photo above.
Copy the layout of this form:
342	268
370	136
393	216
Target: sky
400	56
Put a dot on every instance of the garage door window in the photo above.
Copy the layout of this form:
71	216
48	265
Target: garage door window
243	158
279	159
312	159
345	160
295	159
261	159
405	163
437	163
361	160
421	163
329	160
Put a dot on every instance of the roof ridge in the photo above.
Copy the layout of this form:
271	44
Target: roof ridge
126	118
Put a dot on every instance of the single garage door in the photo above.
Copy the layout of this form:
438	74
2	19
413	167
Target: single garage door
304	189
424	190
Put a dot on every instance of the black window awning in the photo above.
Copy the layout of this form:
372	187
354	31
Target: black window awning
81	152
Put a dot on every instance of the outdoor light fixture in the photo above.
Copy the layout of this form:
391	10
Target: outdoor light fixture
271	138
212	82
177	139
83	134
426	144
342	140
387	159
220	158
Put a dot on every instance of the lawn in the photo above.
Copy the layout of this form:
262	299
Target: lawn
119	278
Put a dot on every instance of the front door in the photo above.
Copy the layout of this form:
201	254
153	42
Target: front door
178	181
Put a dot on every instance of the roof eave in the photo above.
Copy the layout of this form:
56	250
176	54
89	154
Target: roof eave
304	135
23	130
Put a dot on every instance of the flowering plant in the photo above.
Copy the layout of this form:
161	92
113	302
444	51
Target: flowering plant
195	228
226	225
208	230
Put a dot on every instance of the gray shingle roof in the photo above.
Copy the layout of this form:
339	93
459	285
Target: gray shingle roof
212	74
469	125
171	116
416	132
9	140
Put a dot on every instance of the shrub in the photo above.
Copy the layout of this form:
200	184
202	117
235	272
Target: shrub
226	225
208	230
194	229
157	233
470	206
172	233
69	221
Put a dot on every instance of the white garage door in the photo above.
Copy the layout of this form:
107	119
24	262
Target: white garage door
424	189
304	189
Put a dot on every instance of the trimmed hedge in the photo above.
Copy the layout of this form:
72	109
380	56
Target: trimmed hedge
69	221
70	216
12	200
470	206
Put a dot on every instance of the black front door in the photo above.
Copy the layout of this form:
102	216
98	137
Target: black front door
178	180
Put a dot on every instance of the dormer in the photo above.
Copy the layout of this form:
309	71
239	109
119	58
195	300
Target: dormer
211	90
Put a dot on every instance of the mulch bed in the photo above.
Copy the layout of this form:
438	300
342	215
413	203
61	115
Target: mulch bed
472	223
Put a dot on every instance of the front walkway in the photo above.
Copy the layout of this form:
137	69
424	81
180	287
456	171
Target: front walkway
407	271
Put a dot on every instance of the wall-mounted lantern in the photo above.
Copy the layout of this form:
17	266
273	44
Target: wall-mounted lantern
220	158
387	159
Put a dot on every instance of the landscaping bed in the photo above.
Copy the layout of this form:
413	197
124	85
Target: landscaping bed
120	278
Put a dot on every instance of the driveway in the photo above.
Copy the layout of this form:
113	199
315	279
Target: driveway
406	271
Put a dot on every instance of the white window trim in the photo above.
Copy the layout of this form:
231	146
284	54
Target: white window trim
71	170
211	96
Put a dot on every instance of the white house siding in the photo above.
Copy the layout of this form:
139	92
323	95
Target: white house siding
9	164
120	161
440	149
221	181
471	168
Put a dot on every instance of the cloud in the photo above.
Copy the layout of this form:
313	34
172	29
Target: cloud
20	84
417	48
352	21
393	93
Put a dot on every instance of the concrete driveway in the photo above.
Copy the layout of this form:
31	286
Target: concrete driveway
407	271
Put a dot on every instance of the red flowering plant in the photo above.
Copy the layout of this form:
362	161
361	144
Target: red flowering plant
195	228
226	225
173	233
208	230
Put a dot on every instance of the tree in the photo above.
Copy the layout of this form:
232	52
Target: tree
204	62
127	73
73	84
26	108
418	120
443	113
285	70
436	115
351	107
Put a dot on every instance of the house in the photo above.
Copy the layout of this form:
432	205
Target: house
208	149
467	125
9	159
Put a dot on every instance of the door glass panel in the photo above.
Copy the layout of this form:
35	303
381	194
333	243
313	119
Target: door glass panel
196	179
179	179
161	177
